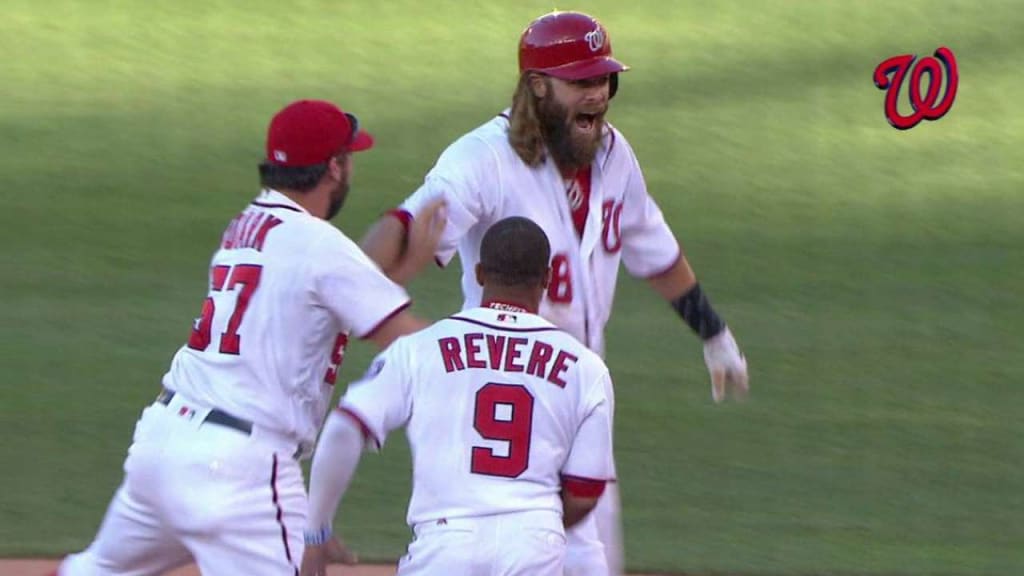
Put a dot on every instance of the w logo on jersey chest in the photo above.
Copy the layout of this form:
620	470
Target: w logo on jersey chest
611	233
575	194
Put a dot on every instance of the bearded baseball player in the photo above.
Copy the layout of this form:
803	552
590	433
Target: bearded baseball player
213	472
508	418
553	158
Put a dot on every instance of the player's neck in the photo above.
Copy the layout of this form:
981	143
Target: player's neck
494	297
314	201
571	172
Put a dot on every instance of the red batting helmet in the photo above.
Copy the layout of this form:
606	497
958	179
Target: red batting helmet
568	45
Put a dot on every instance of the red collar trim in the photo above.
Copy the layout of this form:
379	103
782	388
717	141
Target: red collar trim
506	306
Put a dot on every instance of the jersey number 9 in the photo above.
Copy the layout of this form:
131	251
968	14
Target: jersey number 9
513	424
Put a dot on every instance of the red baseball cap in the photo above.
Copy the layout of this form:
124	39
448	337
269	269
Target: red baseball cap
309	132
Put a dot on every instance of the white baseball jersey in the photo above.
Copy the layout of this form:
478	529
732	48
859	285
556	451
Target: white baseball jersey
484	180
501	409
286	289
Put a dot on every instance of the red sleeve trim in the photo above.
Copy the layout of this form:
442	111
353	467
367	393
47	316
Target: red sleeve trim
583	487
367	433
665	270
403	216
395	312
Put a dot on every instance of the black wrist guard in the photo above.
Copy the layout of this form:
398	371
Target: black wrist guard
696	310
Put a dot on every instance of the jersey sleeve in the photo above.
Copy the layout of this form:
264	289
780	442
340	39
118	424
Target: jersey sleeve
465	176
590	458
353	287
381	400
648	245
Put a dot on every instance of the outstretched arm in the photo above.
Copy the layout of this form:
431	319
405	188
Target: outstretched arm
394	327
648	244
385	242
459	190
726	364
335	462
374	405
675	281
402	244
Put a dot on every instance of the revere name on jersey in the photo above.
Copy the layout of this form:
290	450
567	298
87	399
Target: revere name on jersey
501	410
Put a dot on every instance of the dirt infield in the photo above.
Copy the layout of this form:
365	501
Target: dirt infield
44	567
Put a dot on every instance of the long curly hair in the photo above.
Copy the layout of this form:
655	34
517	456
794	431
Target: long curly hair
524	133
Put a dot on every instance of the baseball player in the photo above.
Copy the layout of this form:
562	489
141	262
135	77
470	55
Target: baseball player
213	472
553	157
508	419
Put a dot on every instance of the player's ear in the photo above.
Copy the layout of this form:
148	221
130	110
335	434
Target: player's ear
547	278
334	169
479	274
337	165
538	85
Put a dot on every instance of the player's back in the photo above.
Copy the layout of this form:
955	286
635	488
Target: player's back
497	399
285	289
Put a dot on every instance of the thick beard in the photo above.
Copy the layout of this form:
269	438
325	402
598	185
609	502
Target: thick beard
337	199
569	150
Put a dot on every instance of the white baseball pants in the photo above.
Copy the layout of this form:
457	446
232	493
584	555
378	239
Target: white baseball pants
195	490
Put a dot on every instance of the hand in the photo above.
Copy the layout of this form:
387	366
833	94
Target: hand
421	242
727	366
316	558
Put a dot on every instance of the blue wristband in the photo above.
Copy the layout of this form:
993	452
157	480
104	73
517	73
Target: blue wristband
318	537
696	311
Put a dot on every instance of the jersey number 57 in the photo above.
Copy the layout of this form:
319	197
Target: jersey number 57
244	277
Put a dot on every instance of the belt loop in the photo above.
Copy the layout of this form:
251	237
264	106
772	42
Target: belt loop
165	396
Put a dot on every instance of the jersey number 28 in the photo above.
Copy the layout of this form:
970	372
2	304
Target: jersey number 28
503	412
226	278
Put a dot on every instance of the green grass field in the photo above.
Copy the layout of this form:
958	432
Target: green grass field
873	277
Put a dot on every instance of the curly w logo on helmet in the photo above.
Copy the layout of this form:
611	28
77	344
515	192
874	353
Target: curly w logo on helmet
595	39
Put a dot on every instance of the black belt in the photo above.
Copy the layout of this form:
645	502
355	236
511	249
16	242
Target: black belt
215	416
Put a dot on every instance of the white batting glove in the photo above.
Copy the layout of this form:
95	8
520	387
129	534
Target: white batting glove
726	365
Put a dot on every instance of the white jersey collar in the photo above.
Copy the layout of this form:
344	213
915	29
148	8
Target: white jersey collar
499	318
270	198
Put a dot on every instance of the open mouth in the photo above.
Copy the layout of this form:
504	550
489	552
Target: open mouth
586	122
